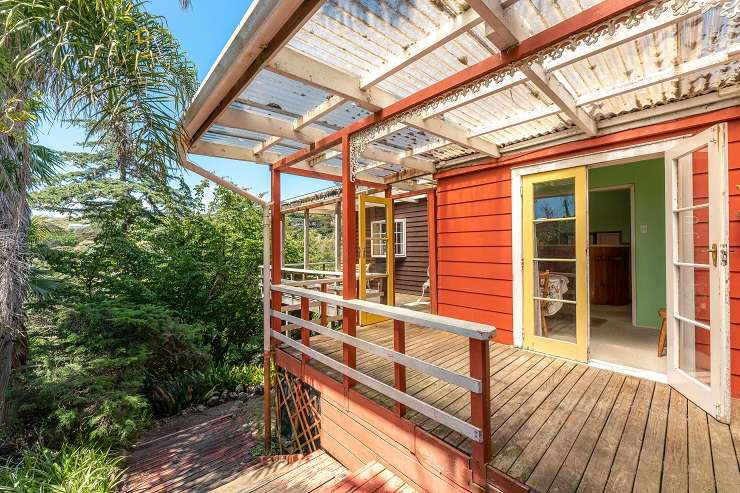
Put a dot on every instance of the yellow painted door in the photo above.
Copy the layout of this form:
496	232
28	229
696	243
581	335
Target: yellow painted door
377	254
555	257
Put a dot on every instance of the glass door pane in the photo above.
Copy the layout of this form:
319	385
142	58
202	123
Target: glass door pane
554	262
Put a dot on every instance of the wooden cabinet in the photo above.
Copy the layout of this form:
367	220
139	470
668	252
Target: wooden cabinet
610	280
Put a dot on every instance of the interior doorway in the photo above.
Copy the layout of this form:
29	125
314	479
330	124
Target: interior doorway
617	335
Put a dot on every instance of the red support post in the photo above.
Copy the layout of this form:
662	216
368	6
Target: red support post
480	408
399	371
275	301
305	333
432	243
349	258
323	305
277	245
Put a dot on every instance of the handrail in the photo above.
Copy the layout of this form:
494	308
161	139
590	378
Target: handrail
311	272
472	330
312	282
452	422
477	382
448	376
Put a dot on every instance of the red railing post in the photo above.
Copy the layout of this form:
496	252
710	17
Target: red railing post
480	408
399	371
349	258
323	305
305	333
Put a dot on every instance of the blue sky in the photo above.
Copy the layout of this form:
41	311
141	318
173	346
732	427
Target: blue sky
203	30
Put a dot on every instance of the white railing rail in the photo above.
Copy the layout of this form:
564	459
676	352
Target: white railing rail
479	335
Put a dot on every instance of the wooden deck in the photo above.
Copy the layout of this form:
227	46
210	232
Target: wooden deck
561	426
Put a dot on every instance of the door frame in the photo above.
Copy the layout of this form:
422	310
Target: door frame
390	249
613	157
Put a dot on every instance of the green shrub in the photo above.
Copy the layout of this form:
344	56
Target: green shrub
194	387
69	470
90	375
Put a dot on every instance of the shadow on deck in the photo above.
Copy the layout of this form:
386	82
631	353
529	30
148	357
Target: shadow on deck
562	426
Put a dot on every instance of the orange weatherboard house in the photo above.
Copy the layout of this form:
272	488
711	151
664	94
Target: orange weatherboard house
537	216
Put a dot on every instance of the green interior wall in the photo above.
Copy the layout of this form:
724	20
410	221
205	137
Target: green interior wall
609	210
647	178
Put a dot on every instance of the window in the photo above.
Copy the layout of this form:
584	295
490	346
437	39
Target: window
399	237
378	238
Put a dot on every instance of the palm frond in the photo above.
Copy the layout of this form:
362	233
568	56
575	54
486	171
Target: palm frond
45	163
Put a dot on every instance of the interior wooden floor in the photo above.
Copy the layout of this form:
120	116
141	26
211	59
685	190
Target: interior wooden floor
562	426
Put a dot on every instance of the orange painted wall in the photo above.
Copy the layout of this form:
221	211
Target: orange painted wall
474	252
474	249
734	210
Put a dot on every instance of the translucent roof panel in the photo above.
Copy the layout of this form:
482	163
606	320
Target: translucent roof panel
366	45
280	92
696	44
537	15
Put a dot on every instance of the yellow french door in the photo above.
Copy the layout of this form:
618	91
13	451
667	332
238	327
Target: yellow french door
377	254
555	257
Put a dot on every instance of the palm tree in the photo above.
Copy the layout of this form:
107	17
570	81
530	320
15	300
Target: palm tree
108	62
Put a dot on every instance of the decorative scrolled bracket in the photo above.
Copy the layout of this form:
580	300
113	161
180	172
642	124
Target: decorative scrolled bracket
630	19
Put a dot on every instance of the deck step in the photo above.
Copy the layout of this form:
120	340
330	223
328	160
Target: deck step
372	477
295	473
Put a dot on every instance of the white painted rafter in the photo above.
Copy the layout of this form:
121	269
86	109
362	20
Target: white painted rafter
283	129
505	31
443	34
498	30
302	68
332	103
706	62
558	94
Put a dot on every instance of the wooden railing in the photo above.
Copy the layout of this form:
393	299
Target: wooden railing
477	382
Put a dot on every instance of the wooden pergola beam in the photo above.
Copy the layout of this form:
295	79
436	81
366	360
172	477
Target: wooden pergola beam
277	129
506	31
569	27
303	11
443	34
189	165
289	63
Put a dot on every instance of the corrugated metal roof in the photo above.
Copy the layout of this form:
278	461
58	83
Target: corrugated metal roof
358	36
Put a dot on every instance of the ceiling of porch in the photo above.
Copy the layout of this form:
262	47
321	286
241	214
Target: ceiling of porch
354	57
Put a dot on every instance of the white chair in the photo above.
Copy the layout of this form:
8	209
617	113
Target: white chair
427	285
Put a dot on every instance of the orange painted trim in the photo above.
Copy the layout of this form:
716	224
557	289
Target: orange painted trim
277	244
432	241
308	173
349	259
634	136
574	25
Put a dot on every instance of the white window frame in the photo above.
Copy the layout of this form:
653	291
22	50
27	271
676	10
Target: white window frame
396	243
374	253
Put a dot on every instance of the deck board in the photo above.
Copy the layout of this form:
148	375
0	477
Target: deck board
624	467
676	461
561	426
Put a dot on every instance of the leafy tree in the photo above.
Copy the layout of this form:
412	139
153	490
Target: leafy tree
108	61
